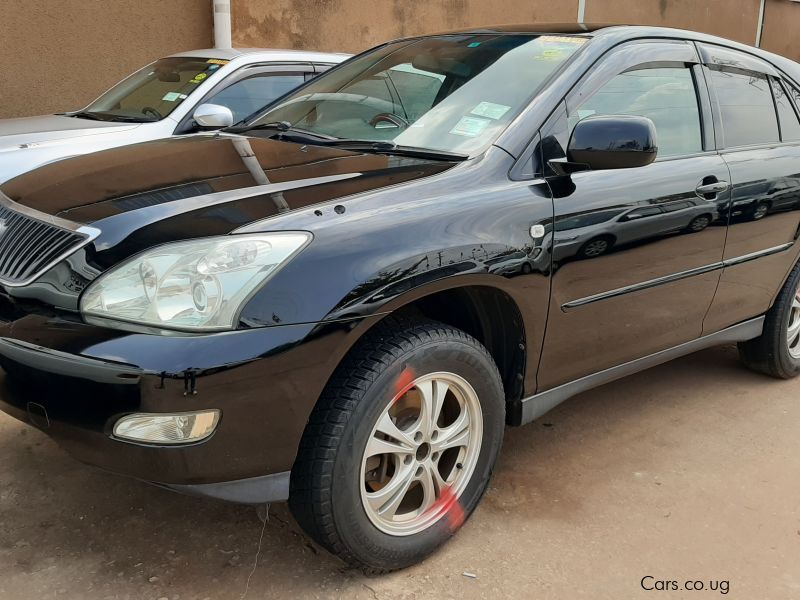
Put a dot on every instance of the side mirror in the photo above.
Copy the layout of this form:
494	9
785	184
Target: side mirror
613	142
213	116
609	142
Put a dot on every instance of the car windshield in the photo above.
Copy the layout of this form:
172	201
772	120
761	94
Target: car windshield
153	92
452	93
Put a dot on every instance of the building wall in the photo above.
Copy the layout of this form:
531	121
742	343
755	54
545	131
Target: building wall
733	19
781	32
354	25
61	54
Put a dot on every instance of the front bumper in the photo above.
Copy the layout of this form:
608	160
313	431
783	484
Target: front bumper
74	381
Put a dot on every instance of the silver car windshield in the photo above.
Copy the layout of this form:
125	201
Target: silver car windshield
452	93
153	92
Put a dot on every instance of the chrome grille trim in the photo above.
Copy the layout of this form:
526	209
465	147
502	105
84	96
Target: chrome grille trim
33	242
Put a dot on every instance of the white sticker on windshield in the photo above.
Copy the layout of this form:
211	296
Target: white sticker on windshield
470	126
171	96
490	110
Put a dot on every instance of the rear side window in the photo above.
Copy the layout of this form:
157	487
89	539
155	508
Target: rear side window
790	125
746	107
586	219
667	96
676	206
647	211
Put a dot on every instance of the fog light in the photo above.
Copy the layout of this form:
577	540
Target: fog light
179	428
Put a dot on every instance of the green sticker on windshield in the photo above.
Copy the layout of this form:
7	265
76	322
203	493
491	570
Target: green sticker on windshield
470	126
490	110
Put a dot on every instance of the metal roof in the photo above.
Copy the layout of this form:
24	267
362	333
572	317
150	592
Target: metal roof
275	54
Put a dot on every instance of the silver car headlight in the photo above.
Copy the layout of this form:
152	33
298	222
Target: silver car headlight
196	285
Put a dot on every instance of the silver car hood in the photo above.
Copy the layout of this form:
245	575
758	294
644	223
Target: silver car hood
16	133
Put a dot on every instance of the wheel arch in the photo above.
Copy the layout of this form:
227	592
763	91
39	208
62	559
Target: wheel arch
478	305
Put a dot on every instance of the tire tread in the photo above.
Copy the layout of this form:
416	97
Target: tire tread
767	353
310	490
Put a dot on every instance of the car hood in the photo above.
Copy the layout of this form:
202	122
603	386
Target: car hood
200	185
30	131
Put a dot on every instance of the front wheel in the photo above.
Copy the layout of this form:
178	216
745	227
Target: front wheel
400	447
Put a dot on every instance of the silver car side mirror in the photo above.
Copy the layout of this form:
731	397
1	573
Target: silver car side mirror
213	115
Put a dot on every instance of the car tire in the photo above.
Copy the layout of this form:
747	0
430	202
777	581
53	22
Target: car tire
760	211
337	493
776	352
699	223
596	247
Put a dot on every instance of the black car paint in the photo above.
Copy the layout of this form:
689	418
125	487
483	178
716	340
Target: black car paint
389	232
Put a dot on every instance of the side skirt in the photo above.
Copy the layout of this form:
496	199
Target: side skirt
533	407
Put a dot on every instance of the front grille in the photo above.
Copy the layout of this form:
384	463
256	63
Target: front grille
32	242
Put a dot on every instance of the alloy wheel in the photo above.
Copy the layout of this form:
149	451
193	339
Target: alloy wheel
793	330
421	453
595	248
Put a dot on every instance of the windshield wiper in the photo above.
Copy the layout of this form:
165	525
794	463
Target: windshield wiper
283	131
85	114
96	116
379	147
126	119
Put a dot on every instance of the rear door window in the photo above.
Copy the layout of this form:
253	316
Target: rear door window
790	125
746	108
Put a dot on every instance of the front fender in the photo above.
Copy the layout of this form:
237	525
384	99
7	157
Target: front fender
376	252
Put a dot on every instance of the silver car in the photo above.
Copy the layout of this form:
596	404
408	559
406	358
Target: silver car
175	95
596	232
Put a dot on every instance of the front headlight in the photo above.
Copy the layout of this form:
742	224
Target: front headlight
196	285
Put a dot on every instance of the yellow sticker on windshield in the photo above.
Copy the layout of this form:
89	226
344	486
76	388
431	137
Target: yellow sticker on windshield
563	39
551	54
217	61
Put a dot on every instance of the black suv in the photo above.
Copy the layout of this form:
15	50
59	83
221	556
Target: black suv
343	300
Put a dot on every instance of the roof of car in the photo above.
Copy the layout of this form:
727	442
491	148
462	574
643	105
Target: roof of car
276	54
539	28
617	32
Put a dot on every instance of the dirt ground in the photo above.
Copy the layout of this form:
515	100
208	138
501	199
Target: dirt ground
689	471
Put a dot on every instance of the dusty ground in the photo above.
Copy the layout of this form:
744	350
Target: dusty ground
687	471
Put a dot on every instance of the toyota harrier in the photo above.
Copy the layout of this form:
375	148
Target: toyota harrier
343	301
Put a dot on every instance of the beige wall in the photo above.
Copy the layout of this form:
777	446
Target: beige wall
60	54
734	19
355	25
782	28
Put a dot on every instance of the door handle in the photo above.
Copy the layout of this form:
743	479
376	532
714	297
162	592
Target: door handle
712	188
